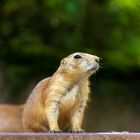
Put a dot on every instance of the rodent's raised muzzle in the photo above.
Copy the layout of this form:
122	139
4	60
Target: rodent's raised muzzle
97	60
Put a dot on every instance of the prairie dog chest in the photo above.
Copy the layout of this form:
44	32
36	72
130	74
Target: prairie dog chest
71	97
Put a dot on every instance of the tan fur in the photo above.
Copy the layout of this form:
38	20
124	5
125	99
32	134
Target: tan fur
58	102
10	118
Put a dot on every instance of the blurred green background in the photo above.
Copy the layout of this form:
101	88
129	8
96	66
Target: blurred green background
36	34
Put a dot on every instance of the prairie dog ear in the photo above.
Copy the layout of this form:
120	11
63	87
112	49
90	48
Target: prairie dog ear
63	62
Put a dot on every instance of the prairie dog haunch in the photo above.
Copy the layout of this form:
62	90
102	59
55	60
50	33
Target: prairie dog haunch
57	103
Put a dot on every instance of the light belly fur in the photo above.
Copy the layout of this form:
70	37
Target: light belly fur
70	99
67	106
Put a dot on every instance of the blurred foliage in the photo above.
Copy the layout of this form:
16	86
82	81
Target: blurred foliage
36	34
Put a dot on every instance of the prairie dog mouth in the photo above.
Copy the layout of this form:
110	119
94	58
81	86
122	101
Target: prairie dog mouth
93	67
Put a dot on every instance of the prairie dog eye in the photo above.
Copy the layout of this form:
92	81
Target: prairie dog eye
77	56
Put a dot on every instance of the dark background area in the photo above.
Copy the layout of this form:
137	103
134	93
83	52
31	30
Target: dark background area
36	34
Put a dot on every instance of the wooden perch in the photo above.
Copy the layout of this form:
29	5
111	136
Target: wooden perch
70	136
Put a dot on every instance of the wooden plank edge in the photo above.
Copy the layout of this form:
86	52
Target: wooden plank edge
71	136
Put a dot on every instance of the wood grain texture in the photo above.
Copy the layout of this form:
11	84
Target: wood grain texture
70	136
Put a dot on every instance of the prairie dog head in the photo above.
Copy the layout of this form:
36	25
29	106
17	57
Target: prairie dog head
81	63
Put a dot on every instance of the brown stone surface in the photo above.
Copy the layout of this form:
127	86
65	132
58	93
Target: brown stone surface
70	136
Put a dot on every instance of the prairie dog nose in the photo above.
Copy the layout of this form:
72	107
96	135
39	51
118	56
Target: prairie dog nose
97	59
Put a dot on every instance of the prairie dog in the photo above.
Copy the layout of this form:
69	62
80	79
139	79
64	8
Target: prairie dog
57	103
